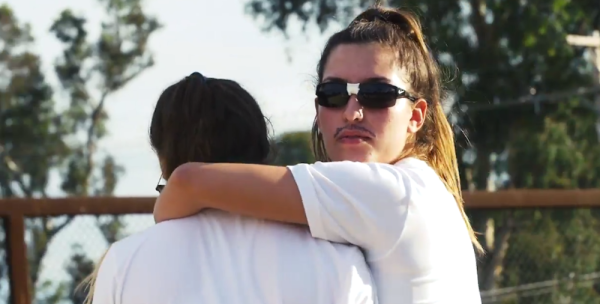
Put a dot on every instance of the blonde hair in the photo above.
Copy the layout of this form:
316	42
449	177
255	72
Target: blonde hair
400	31
89	282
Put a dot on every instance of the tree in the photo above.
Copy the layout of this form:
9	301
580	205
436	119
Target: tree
509	53
293	148
32	137
38	138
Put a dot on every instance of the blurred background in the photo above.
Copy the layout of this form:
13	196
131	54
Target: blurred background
79	80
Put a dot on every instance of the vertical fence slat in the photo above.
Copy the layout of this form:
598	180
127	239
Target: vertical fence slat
17	259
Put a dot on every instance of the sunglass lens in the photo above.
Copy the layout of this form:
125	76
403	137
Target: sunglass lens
377	95
332	95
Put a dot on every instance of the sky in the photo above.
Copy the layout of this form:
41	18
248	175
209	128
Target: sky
215	38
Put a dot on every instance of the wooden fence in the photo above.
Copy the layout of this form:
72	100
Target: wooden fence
15	211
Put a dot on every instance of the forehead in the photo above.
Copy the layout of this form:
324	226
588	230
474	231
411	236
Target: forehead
359	62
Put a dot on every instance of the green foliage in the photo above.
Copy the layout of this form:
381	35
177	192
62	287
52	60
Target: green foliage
32	137
293	148
78	269
118	56
40	136
507	51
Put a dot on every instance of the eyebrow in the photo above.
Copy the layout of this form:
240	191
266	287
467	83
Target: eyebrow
372	79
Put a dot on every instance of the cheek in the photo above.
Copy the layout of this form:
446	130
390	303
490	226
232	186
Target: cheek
400	117
384	121
326	119
391	124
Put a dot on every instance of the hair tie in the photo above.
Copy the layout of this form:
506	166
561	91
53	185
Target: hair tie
196	74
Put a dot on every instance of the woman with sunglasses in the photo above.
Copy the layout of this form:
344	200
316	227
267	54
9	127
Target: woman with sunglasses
388	180
218	257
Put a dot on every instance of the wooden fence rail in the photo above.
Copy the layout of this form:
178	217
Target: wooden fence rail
16	210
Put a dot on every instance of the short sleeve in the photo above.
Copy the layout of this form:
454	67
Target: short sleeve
105	287
364	204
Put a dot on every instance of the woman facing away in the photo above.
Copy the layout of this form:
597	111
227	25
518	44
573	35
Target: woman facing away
387	181
218	257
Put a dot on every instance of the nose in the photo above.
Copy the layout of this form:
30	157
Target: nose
353	111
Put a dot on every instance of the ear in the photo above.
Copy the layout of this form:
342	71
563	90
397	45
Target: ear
417	119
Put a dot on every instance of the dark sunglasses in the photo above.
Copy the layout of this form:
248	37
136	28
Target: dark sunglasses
159	187
374	95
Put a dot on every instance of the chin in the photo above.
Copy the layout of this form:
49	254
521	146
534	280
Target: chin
355	157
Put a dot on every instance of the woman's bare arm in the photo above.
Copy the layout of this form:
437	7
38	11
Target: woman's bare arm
260	191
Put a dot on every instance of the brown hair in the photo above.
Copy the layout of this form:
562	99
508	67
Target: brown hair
206	120
400	31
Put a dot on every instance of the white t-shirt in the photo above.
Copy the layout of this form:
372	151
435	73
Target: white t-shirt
414	237
215	257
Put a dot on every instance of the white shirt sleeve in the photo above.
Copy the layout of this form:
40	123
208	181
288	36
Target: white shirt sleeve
364	204
105	287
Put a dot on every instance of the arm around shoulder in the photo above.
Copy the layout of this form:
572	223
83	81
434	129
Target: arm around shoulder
261	191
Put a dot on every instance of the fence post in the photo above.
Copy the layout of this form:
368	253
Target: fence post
17	259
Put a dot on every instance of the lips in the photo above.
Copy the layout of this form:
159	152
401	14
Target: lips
353	137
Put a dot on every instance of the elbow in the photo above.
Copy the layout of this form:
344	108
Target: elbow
177	199
185	183
183	177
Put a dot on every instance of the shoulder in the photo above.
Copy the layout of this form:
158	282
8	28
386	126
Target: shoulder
122	250
416	169
181	233
369	179
405	168
131	242
421	179
433	222
426	192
